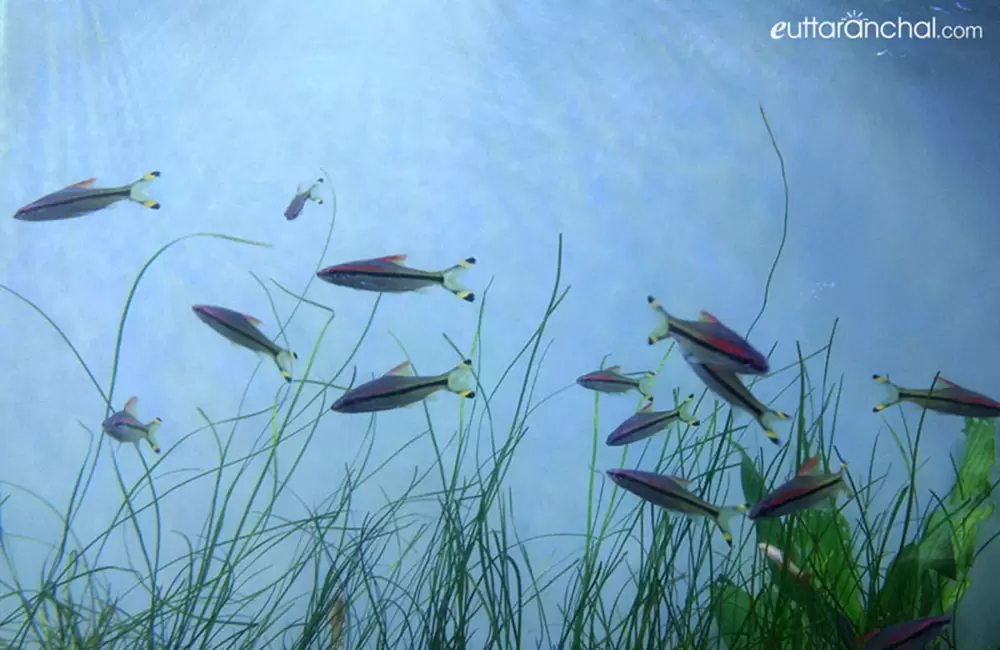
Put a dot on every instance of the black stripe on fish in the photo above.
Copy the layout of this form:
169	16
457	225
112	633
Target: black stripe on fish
683	495
85	195
397	392
405	275
679	331
931	397
769	508
269	345
749	406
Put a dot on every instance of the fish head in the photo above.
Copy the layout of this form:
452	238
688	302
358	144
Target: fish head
756	509
203	312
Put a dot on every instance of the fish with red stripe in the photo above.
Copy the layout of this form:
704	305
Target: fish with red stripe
809	489
711	342
302	195
611	380
242	330
82	198
944	397
911	635
647	422
389	275
401	387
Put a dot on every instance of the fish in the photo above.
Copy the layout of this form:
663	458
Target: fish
124	427
727	385
611	380
82	198
668	492
710	342
389	275
777	558
911	635
945	397
400	387
242	330
648	422
808	489
299	200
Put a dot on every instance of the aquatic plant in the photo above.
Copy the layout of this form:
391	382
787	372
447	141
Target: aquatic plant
393	577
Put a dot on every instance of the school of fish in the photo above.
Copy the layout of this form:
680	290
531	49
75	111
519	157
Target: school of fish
716	354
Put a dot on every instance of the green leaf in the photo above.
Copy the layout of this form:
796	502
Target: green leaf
731	608
936	548
977	462
900	593
754	489
828	555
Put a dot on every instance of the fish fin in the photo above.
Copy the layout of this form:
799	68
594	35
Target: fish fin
137	194
253	320
706	317
892	389
865	638
646	384
82	184
450	281
663	331
647	407
768	421
456	379
151	429
312	189
684	413
130	405
725	515
395	259
404	369
680	480
283	359
945	383
615	368
811	466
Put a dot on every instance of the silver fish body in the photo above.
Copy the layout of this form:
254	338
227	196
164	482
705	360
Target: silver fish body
389	275
123	426
945	397
803	492
647	423
911	635
239	329
298	201
396	390
727	385
611	380
82	198
709	341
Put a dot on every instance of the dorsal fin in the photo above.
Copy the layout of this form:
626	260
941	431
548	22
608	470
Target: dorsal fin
256	322
130	405
809	467
680	480
614	368
647	407
945	382
866	637
706	317
84	184
395	259
402	369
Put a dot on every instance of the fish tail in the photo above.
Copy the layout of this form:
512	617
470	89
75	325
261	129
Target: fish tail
891	388
722	520
151	430
768	421
450	280
663	331
137	194
312	191
283	359
646	384
684	413
456	380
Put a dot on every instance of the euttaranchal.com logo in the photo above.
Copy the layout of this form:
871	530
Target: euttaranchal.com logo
855	26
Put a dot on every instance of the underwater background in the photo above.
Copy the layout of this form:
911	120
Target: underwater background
456	129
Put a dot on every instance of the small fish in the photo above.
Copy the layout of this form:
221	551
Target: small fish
777	558
81	198
648	422
299	200
945	397
242	330
611	380
400	387
667	492
124	427
728	386
389	275
911	635
809	489
710	342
